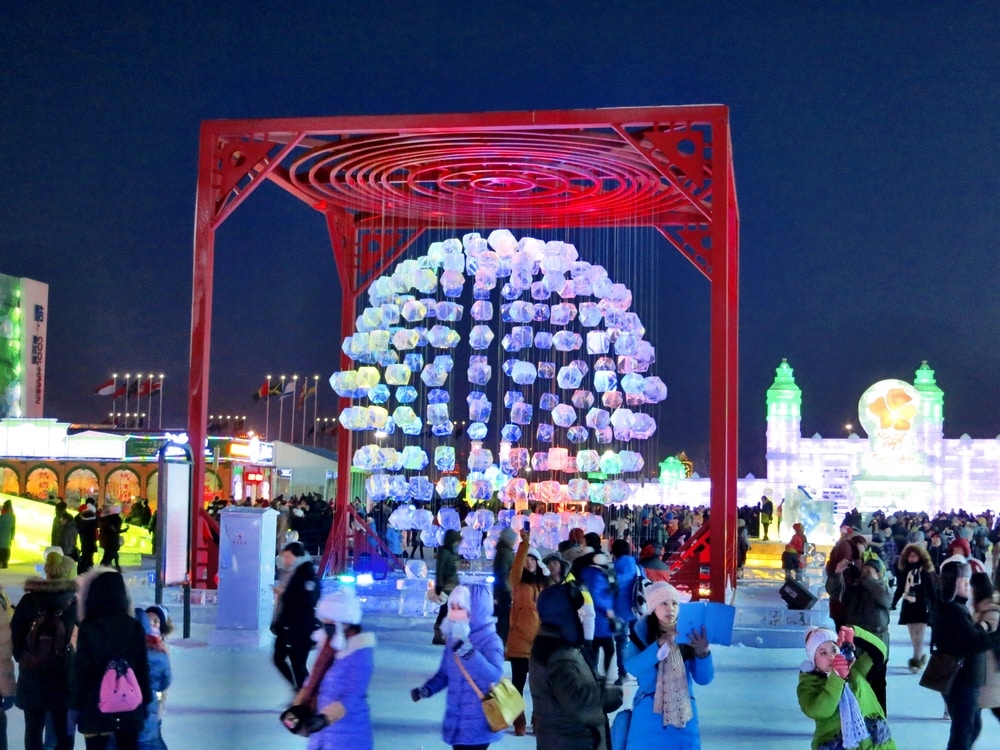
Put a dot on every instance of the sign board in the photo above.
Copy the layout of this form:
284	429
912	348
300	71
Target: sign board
175	511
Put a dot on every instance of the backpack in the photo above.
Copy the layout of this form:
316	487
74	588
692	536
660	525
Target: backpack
119	691
639	586
47	641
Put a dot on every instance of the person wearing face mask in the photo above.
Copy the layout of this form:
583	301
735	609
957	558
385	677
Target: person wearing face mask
473	652
833	690
664	713
335	709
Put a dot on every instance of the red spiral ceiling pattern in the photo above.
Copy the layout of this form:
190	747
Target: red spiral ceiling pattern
510	178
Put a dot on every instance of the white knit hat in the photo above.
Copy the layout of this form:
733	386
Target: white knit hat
460	598
340	606
814	639
658	592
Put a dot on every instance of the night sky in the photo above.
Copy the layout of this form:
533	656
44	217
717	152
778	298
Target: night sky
864	146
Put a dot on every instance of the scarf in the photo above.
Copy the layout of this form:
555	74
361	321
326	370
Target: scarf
852	722
671	698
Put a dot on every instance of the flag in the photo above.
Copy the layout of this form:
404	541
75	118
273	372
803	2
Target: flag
263	391
289	389
306	393
133	388
149	387
260	392
107	388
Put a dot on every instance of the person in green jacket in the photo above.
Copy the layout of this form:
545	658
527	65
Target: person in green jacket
834	692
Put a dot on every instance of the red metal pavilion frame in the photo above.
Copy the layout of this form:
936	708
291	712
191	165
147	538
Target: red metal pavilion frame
381	181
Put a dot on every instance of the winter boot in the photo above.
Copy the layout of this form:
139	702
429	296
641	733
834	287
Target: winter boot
520	726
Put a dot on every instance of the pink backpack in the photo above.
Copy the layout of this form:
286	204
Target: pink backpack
119	689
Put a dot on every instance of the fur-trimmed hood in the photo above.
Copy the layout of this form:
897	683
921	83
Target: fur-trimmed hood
45	586
84	583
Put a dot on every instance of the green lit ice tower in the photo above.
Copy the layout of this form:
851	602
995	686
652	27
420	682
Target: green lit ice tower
10	347
930	426
23	312
784	428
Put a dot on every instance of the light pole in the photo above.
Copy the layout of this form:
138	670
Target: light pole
267	411
128	384
281	407
159	414
295	387
315	408
114	398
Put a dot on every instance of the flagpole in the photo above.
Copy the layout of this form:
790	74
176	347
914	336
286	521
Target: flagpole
315	406
159	424
295	385
305	408
114	401
149	383
267	412
281	408
128	380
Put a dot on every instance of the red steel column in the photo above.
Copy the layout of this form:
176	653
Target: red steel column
724	362
201	333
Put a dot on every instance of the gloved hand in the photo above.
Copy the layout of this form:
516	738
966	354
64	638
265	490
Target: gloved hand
617	626
841	666
461	648
6	703
294	716
418	693
312	724
699	641
846	634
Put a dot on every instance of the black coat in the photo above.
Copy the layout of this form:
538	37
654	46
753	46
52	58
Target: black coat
955	633
110	532
296	618
43	689
86	524
100	640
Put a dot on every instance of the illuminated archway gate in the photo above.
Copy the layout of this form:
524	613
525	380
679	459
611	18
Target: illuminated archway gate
381	181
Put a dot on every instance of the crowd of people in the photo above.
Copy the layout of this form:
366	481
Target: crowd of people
560	620
940	573
86	661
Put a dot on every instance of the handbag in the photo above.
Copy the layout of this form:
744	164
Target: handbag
940	672
501	705
301	718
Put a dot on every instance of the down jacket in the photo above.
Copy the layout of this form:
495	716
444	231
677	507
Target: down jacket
819	695
43	688
646	729
523	613
106	631
464	720
346	682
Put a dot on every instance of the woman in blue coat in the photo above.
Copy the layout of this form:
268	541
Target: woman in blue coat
664	713
471	636
342	697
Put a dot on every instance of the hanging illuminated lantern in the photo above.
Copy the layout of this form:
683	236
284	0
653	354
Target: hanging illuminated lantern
551	332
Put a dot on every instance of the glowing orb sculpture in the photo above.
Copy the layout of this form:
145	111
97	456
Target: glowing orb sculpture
550	331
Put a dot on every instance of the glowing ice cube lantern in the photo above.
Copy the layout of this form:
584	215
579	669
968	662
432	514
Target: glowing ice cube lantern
540	286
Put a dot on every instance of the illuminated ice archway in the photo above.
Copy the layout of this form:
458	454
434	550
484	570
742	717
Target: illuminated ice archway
555	350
